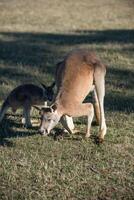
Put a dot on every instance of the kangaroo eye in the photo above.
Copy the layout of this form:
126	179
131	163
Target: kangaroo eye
49	120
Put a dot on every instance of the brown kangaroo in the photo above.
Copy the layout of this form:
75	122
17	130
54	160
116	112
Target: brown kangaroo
78	74
25	96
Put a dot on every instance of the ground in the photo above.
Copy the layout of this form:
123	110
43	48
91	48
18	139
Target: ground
34	36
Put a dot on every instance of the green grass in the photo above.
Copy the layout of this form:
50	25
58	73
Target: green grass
34	36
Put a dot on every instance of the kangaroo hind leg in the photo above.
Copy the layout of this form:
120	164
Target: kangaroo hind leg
96	107
26	115
100	89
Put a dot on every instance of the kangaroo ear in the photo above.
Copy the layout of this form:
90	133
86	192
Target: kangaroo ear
52	85
59	63
44	87
54	107
37	108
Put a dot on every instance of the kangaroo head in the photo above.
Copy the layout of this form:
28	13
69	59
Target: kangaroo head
48	91
49	119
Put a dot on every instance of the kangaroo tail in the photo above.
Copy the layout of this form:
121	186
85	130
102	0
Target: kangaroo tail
3	109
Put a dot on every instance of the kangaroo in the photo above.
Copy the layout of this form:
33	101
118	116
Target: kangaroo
78	74
25	96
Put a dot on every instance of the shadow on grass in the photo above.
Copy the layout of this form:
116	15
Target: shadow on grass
59	134
35	49
5	142
13	73
120	78
7	130
118	102
79	136
121	98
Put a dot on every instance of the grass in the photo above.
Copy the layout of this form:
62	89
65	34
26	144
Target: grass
34	36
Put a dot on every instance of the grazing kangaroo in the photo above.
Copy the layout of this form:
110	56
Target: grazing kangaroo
26	96
76	76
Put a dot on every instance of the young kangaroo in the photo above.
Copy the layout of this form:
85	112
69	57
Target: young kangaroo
25	96
76	76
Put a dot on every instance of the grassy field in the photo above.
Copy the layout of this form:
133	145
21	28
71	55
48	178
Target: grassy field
34	36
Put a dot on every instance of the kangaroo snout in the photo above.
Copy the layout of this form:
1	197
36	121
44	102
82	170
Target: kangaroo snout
43	131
